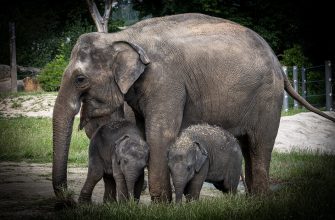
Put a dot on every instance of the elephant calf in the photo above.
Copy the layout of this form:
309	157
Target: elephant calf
204	153
118	154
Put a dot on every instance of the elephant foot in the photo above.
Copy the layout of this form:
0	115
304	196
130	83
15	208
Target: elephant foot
259	185
109	200
84	199
160	191
259	189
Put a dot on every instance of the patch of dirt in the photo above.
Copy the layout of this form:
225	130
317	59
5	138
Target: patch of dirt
28	105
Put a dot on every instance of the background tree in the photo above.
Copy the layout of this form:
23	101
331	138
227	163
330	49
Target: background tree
101	22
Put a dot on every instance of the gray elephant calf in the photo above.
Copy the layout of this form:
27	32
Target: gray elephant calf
118	154
204	153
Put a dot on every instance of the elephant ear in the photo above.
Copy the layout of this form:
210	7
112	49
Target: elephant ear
118	147
200	156
131	61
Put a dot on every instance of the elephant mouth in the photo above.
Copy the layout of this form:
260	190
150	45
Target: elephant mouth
99	115
83	122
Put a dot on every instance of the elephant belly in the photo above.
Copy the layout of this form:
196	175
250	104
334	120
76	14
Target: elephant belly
227	117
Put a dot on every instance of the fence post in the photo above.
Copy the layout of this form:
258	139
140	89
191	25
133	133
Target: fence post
328	81
295	84
303	82
285	100
12	50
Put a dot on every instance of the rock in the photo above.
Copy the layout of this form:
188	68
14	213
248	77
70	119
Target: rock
5	85
4	72
20	85
32	71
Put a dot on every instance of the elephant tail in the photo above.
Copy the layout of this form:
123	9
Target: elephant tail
289	89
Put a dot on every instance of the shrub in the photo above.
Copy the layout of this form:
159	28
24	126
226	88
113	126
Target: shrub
295	57
51	75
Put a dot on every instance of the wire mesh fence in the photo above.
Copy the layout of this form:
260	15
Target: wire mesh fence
313	83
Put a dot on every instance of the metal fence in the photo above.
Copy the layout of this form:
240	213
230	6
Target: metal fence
314	84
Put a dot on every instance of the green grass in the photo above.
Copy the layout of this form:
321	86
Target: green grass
306	191
293	111
30	139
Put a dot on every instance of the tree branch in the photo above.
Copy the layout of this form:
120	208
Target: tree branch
98	20
108	9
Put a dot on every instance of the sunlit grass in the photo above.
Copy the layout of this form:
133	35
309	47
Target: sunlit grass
30	139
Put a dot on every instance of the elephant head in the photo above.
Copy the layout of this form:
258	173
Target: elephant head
131	154
99	74
184	162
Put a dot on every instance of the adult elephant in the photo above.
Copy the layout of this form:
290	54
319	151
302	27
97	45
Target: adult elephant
176	71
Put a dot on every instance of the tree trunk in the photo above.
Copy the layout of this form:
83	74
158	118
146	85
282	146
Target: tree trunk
101	22
13	68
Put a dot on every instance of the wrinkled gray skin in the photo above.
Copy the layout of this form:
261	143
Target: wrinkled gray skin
118	154
176	71
204	153
91	125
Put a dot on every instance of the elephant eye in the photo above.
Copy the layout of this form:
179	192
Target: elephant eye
125	161
188	168
81	81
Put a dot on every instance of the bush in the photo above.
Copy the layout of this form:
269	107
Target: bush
51	75
295	57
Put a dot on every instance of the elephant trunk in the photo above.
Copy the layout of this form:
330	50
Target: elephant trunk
179	194
131	179
179	190
66	107
130	187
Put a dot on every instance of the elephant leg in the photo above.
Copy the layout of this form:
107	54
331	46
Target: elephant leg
138	187
94	175
220	186
192	190
110	188
257	156
162	128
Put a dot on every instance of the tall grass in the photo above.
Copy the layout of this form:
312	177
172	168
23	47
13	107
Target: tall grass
30	139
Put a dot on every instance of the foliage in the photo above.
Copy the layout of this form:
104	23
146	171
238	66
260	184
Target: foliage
114	25
295	57
51	75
